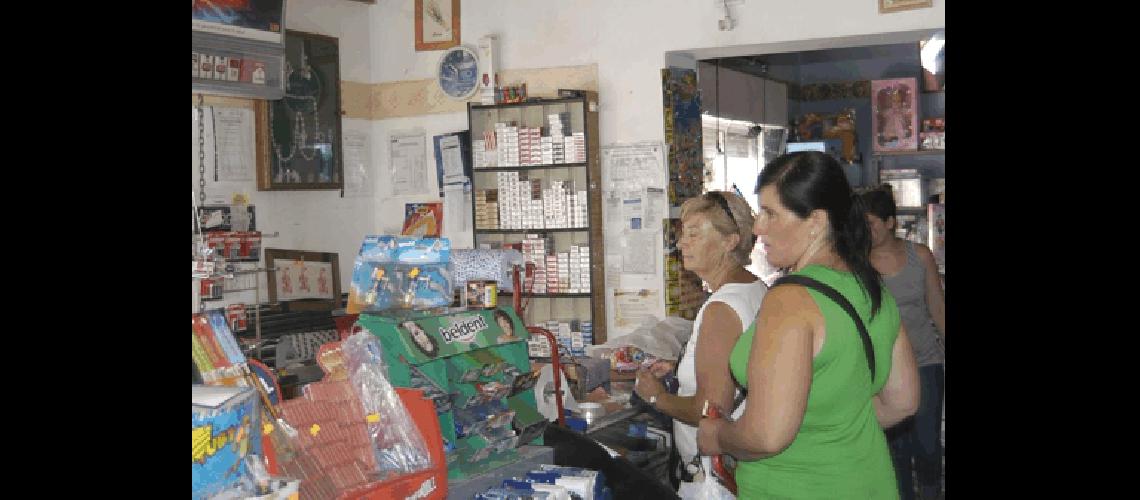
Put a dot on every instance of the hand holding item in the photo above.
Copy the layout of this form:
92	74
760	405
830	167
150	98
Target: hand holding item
708	429
647	386
708	435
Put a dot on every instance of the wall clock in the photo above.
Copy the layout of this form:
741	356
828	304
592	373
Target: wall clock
458	73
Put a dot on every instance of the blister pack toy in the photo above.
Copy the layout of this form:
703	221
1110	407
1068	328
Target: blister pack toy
400	272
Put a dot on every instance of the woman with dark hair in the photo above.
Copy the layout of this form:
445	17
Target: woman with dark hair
818	396
504	321
911	274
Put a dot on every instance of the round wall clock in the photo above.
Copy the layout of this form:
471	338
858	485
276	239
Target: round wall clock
458	72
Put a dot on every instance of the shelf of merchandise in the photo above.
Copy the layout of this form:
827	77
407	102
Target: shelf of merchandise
583	118
533	230
529	167
550	295
920	152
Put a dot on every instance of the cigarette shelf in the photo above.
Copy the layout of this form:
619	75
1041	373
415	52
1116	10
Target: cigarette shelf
533	230
554	128
551	295
528	167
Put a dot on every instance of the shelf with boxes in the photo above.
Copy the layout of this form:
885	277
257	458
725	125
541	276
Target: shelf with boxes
535	171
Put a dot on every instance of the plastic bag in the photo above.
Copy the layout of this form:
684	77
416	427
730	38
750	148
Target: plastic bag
704	486
660	339
397	442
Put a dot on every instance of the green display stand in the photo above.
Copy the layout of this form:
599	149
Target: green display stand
461	352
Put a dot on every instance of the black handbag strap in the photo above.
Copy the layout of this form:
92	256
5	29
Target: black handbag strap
835	296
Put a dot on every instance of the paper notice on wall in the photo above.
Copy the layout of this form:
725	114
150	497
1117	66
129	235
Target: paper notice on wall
634	307
654	208
633	166
358	178
233	129
456	208
408	168
632	211
639	254
613	270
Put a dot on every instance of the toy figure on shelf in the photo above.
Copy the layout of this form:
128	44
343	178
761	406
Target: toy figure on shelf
844	130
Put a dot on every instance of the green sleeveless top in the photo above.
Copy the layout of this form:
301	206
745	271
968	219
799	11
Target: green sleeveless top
840	450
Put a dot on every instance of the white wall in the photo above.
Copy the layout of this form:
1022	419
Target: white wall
628	40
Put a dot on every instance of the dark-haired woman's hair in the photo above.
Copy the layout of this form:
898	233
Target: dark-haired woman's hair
880	202
501	314
810	180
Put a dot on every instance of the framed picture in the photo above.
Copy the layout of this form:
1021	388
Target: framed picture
304	143
894	114
888	6
303	281
437	24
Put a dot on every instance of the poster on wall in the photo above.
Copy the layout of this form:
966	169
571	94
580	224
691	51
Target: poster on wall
423	219
259	20
359	180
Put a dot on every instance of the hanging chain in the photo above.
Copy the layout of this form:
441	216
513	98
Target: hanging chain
201	151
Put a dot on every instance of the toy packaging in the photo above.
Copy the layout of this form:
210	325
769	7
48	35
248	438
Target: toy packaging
400	272
225	422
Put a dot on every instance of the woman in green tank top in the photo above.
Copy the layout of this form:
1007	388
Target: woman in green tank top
813	425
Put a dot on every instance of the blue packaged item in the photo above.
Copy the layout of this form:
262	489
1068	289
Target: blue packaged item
226	428
423	250
596	481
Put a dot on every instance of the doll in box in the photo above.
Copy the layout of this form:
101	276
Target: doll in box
896	119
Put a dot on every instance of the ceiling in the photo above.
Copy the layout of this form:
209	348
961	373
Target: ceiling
760	65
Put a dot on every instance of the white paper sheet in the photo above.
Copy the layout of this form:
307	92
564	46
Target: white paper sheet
359	181
456	209
633	166
408	167
633	307
234	141
639	254
654	209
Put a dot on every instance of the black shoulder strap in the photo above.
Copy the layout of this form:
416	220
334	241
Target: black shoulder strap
835	296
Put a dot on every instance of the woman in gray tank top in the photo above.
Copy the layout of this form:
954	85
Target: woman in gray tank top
911	274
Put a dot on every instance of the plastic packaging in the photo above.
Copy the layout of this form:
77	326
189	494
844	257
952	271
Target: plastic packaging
397	442
399	272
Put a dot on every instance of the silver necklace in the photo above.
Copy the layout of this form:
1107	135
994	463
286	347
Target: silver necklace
309	102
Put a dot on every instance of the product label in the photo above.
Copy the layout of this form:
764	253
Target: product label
463	329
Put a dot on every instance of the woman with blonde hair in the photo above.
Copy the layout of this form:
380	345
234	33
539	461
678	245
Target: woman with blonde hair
715	243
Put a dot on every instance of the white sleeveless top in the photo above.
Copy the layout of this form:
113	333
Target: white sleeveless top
744	298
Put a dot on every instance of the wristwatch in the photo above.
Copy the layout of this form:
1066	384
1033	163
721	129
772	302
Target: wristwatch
653	401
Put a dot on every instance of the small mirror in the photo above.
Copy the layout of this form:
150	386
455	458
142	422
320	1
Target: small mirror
932	54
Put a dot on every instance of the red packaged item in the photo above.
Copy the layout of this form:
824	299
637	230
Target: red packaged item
201	327
252	245
233	246
237	317
217	241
